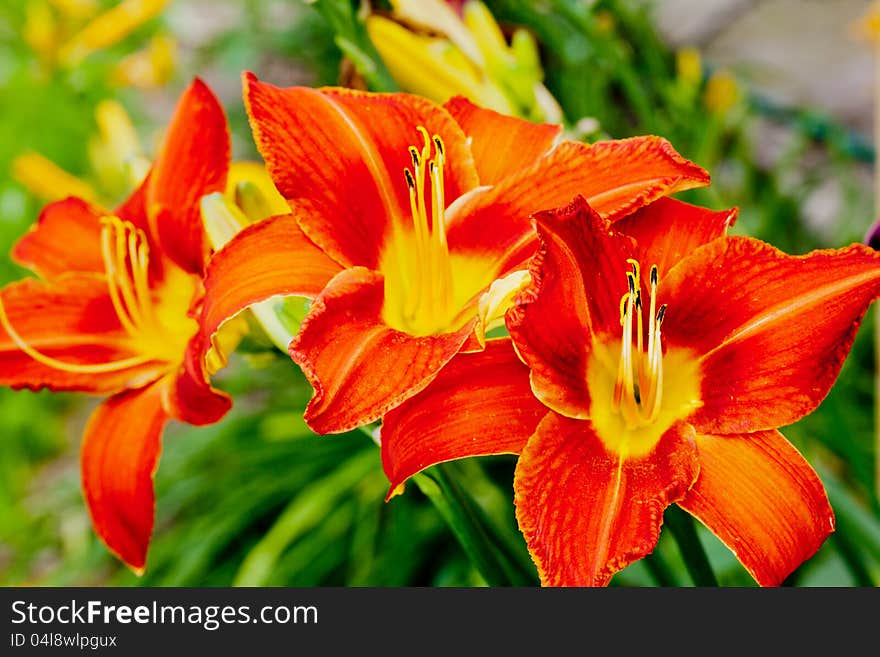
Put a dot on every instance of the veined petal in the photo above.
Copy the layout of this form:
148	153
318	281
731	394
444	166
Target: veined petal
66	238
501	144
134	208
759	496
271	257
615	177
555	319
72	327
193	161
120	452
479	404
771	330
190	398
667	230
341	154
586	512
359	367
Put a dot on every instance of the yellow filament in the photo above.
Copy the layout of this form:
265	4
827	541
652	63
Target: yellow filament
426	280
637	396
110	260
77	368
125	254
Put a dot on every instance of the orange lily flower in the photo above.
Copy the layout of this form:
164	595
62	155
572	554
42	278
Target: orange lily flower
112	312
666	355
403	215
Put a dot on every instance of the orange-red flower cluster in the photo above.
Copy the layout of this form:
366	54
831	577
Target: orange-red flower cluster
649	358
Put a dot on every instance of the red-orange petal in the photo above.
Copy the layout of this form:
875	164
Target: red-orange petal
585	512
191	398
479	404
193	161
65	238
578	278
120	452
360	367
134	208
615	177
501	144
667	230
771	330
341	154
758	495
269	258
72	320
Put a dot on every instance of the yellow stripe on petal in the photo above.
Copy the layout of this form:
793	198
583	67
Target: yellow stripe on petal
46	180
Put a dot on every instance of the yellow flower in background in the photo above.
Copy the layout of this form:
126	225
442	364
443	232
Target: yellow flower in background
721	93
433	51
117	160
868	26
149	67
109	28
115	153
64	32
47	181
689	66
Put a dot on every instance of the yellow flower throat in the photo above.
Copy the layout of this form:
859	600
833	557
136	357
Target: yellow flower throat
424	276
428	289
156	326
636	391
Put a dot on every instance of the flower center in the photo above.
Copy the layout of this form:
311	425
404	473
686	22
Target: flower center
157	325
638	390
422	297
632	402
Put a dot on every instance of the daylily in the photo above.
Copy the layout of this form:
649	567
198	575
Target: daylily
112	312
250	197
667	355
409	228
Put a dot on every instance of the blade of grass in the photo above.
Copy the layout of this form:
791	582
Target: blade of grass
306	510
681	524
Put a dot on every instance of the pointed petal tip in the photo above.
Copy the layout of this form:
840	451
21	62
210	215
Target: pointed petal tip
248	78
394	491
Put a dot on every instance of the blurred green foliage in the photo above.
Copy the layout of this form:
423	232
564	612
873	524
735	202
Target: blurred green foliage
258	499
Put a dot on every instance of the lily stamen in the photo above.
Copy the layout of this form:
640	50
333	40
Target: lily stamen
638	388
429	280
125	253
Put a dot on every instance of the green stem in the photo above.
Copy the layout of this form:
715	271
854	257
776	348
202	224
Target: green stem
682	526
852	557
469	526
661	572
353	41
489	550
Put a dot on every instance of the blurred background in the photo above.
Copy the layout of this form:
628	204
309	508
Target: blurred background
774	97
